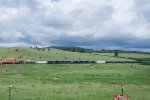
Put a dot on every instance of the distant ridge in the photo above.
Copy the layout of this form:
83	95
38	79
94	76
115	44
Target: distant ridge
81	49
74	49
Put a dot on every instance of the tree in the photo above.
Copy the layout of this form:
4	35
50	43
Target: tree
16	49
116	53
36	47
73	50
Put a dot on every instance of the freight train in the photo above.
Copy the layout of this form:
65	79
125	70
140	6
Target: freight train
16	61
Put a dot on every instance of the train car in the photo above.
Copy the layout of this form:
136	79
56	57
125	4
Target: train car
65	62
41	62
92	62
57	62
50	62
31	62
75	62
68	62
87	62
100	62
9	61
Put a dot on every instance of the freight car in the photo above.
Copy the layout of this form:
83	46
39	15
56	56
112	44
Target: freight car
130	62
100	62
41	62
9	61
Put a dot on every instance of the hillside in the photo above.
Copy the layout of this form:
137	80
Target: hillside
55	54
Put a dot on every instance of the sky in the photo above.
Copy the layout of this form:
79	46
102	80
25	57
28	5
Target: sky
101	24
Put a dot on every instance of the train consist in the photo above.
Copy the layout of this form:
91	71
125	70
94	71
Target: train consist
71	62
91	62
16	61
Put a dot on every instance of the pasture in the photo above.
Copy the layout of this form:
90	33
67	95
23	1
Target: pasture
54	54
74	82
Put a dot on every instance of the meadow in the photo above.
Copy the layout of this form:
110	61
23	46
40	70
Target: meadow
72	82
54	54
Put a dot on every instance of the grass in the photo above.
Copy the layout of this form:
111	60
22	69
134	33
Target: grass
54	54
74	82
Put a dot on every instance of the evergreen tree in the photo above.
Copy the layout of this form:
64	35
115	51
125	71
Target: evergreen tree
116	53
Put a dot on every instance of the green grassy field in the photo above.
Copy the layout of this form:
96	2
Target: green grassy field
54	54
73	82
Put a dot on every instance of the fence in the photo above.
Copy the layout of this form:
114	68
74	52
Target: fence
13	93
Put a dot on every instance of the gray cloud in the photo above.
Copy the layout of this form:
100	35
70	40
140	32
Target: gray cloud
100	24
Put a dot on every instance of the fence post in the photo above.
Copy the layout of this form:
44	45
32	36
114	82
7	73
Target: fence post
10	92
122	90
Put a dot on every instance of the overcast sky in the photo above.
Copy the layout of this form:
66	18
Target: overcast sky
109	24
